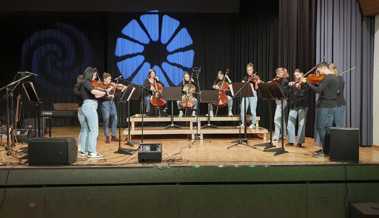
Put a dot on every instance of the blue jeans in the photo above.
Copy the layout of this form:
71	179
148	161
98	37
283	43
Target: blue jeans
147	103
298	115
340	116
325	119
230	105
251	102
109	111
89	126
278	119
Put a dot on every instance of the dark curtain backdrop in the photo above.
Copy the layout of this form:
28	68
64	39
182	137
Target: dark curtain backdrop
345	37
269	34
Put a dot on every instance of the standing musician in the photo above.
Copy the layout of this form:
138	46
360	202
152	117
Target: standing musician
224	85
108	107
298	107
188	101
325	83
154	96
89	124
251	102
281	79
341	102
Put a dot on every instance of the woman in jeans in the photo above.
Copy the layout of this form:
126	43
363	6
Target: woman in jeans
88	118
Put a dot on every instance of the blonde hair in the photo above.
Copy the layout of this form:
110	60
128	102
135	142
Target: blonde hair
249	65
333	68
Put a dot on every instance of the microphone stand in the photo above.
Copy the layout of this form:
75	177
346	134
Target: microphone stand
196	74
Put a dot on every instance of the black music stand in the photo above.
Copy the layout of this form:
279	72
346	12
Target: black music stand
172	94
266	95
209	97
129	94
33	98
277	93
243	90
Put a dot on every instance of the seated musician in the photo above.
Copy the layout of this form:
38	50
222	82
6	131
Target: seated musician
224	85
108	107
189	100
150	88
298	106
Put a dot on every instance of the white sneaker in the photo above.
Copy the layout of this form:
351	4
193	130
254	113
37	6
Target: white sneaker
180	113
95	156
82	154
193	113
241	126
211	114
253	126
230	114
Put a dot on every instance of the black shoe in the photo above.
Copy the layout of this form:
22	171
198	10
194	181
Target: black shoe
318	152
107	140
299	145
289	144
114	139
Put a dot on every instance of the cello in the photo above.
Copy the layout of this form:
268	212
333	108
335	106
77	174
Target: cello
223	88
156	99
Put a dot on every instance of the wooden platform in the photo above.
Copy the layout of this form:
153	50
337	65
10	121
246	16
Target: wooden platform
188	126
180	151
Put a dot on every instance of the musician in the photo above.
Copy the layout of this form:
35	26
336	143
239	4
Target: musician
298	108
282	79
223	80
341	102
89	124
149	88
327	102
189	89
251	102
108	108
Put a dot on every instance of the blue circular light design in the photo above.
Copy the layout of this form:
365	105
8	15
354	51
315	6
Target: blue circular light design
153	29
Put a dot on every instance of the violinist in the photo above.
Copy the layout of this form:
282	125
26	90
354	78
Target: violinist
108	107
282	79
298	107
341	102
189	100
326	104
251	102
151	84
224	85
89	124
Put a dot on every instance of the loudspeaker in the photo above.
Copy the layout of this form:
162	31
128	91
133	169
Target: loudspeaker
52	151
364	210
150	153
343	144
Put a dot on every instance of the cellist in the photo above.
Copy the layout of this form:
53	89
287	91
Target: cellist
189	100
149	84
224	85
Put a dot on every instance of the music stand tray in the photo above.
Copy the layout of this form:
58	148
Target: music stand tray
172	94
209	97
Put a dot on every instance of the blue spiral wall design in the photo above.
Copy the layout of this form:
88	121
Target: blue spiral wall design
57	54
154	36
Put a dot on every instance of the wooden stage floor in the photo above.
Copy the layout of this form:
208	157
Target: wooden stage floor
183	152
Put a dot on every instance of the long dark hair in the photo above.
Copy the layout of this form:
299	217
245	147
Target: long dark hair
88	73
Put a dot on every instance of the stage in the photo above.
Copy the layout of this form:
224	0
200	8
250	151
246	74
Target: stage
180	150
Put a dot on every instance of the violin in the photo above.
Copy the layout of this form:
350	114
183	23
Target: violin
156	100
315	78
188	101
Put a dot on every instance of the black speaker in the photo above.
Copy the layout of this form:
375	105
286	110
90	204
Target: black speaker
150	153
343	144
52	151
364	210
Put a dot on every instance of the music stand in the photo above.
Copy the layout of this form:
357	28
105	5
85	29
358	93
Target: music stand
129	94
33	97
172	94
243	90
277	93
209	97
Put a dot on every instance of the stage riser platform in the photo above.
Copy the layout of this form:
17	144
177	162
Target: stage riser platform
272	191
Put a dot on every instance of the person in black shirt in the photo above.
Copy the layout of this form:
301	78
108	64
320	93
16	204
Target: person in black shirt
341	102
298	107
149	88
89	123
327	102
282	78
189	89
223	80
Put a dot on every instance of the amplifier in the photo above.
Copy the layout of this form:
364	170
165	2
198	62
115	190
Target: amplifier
150	153
344	144
52	151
